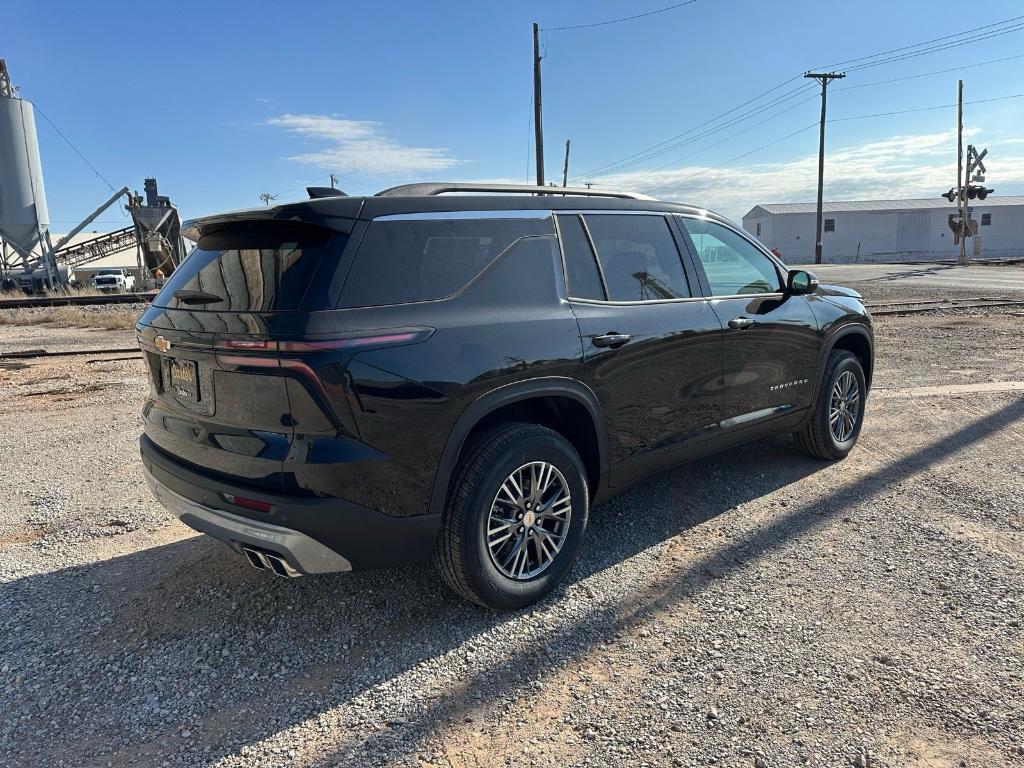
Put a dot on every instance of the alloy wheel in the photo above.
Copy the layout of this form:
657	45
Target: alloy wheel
529	520
844	407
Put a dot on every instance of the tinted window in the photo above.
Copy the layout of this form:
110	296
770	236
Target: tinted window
733	265
405	260
638	257
251	268
581	269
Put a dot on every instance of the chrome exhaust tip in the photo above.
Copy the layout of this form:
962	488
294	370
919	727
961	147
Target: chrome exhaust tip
254	558
269	561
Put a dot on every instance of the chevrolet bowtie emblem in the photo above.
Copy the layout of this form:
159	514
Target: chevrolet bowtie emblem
161	343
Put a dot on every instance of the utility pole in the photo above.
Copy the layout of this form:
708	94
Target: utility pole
267	198
823	78
961	180
538	125
565	166
334	181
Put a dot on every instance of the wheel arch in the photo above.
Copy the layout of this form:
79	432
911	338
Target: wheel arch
855	338
532	398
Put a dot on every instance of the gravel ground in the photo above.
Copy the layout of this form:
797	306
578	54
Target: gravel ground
756	608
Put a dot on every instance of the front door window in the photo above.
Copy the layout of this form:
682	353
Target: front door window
733	265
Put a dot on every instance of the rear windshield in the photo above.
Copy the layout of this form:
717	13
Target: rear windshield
259	267
406	260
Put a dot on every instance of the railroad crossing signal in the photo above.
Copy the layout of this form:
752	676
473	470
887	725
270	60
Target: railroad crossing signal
974	163
975	172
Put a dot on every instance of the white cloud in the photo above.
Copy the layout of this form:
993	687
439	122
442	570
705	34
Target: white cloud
922	165
358	145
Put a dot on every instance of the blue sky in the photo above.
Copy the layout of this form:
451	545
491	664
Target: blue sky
224	100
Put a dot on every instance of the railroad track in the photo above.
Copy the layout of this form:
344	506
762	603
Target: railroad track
72	300
28	354
895	308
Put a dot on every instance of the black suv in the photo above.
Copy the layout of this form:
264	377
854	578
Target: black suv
358	382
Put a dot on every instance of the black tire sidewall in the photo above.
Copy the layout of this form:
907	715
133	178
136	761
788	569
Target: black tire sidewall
846	362
496	589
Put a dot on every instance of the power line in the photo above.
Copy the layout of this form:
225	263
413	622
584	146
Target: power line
694	128
836	120
747	154
928	74
936	48
624	18
840	64
298	186
617	167
841	119
647	155
924	109
751	127
78	152
951	41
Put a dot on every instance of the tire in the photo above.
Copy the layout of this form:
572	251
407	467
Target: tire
817	437
462	555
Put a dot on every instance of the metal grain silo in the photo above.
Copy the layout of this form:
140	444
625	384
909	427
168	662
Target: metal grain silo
23	214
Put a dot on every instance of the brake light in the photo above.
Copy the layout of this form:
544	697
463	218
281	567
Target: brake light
248	344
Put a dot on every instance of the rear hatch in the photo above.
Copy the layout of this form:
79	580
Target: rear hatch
219	401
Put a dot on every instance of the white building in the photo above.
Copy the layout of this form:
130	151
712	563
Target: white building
887	230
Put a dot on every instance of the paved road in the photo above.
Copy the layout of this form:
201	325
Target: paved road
983	279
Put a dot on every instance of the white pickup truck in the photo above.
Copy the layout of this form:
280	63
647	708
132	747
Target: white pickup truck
117	279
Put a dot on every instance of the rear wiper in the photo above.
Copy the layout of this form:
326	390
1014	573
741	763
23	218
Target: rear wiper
189	296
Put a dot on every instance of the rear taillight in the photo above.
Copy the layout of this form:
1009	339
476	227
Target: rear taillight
355	341
348	341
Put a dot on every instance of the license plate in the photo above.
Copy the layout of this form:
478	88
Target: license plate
184	379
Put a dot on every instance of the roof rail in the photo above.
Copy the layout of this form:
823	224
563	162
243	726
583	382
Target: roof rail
430	190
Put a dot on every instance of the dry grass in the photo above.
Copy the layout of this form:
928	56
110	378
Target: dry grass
111	318
80	290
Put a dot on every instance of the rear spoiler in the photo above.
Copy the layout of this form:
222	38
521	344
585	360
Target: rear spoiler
306	212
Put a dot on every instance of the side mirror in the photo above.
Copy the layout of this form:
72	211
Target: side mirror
800	281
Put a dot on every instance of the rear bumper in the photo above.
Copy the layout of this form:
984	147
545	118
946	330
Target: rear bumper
312	535
302	553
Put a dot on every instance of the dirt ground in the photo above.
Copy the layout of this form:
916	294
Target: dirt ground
755	608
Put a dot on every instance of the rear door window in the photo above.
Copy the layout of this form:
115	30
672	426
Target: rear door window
638	255
260	267
404	260
580	266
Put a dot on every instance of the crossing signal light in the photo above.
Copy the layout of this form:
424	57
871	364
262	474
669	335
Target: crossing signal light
972	192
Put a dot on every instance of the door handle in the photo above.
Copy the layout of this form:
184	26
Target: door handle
740	323
613	340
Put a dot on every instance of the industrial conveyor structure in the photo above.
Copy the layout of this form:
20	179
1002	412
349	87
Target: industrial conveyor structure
29	259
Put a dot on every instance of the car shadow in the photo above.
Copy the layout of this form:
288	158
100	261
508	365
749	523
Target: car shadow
184	648
922	271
